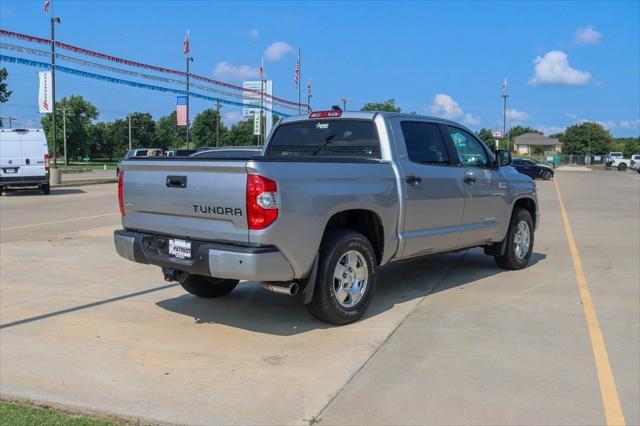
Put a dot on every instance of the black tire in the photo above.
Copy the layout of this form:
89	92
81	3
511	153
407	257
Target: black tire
622	167
546	175
46	189
325	305
208	287
510	259
3	189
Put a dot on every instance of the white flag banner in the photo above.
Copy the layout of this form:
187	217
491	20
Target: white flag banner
45	97
256	123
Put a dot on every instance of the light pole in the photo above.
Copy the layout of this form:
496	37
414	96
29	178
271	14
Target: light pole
217	122
129	117
189	59
344	103
64	134
54	21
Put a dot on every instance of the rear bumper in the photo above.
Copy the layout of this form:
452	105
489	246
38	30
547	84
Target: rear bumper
209	259
23	180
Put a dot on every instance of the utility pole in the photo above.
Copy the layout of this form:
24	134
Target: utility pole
54	21
189	59
504	112
344	103
10	119
64	134
217	122
129	117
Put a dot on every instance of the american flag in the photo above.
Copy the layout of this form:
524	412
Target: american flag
296	73
309	87
46	6
504	86
181	111
187	44
261	70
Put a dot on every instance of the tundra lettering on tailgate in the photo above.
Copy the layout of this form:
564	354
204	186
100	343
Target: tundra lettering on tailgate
216	210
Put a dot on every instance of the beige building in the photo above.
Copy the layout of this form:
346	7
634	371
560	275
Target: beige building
526	144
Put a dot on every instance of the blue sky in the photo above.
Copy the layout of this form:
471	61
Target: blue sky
565	61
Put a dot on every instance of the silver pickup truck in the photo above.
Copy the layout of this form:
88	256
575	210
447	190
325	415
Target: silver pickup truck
331	197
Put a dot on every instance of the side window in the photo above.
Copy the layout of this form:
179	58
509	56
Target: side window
424	143
470	151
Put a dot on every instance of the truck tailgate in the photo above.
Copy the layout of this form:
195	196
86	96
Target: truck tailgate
202	200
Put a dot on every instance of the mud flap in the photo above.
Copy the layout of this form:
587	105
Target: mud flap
310	286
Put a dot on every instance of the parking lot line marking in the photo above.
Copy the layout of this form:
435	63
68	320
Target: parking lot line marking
608	390
59	221
85	306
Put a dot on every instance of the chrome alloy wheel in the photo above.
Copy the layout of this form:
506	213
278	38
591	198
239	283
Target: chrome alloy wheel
522	240
350	279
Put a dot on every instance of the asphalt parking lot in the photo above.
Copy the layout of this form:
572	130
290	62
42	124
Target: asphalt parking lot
451	339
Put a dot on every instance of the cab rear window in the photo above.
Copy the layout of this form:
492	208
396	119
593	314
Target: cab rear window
326	138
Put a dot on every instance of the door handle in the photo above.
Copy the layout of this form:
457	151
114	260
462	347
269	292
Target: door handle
176	181
469	179
413	180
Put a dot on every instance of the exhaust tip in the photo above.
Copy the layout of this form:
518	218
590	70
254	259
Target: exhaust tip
293	289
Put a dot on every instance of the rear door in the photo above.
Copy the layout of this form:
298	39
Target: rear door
34	148
484	188
431	186
203	200
10	156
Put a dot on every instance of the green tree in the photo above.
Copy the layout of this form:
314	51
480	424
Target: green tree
4	92
628	146
388	105
577	138
169	134
516	131
143	130
117	137
99	144
80	114
486	136
240	134
204	127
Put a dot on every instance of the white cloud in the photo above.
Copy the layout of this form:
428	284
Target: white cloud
227	71
471	120
232	117
550	130
586	35
515	115
277	50
630	124
444	106
554	69
254	33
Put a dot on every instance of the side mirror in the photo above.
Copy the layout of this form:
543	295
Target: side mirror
503	157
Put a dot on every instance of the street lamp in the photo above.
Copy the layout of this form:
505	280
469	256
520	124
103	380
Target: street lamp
189	59
54	21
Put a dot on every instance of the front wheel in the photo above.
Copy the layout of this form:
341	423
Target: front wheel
208	287
346	278
546	175
519	241
622	167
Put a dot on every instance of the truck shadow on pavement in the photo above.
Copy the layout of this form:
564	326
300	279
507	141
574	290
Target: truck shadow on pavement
250	308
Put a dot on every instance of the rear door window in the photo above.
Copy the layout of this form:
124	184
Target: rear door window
326	138
424	142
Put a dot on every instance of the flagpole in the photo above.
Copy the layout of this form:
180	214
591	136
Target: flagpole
189	59
54	20
504	111
299	81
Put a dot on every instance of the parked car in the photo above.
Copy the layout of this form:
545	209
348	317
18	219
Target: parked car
140	153
635	162
24	159
533	168
332	197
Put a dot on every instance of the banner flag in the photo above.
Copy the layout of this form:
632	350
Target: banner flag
45	97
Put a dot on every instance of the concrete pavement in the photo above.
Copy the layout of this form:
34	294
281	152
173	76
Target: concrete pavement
449	339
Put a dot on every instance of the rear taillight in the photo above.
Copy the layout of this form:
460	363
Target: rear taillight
120	194
46	162
262	202
326	114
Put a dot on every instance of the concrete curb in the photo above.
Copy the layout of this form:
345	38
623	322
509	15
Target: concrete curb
84	183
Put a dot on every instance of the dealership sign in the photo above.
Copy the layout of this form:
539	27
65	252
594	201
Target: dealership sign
45	97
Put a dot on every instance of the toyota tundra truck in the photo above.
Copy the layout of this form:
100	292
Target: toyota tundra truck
330	198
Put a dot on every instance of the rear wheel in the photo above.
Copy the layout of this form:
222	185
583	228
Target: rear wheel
622	167
208	287
46	188
346	278
519	241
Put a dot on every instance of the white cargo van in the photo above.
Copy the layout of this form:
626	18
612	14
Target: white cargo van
24	159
